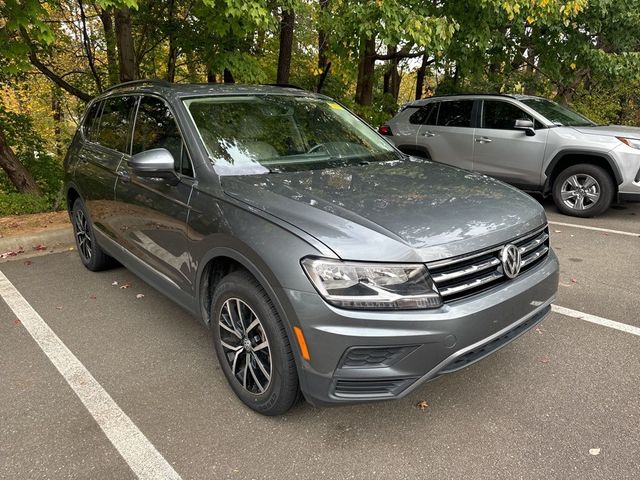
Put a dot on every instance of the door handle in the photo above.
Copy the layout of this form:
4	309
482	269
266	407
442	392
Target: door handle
483	140
428	133
123	175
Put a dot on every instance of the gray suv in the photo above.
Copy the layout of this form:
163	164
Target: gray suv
530	142
322	260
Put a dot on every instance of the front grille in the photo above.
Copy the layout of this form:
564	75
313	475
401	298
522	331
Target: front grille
368	357
468	275
387	387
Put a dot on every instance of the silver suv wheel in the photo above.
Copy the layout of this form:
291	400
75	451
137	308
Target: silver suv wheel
580	192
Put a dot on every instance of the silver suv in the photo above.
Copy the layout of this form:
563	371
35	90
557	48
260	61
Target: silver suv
530	142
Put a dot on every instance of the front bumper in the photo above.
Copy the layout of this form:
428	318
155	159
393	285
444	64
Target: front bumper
359	356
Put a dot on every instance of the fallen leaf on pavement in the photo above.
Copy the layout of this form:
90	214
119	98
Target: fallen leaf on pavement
126	285
114	283
27	262
17	322
558	231
58	308
422	405
539	330
40	247
574	280
140	295
594	451
12	253
544	360
92	297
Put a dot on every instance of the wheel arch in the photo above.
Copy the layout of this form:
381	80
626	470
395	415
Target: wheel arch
568	158
219	261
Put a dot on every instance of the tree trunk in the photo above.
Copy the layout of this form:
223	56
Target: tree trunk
287	24
391	75
171	60
366	65
420	76
110	45
56	109
124	40
228	76
322	38
192	69
211	76
17	173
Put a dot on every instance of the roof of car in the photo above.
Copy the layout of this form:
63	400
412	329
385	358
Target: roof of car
182	90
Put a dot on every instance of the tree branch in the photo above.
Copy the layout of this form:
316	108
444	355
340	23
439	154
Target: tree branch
55	78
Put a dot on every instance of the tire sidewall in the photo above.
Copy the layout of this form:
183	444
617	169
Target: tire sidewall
90	264
607	190
269	402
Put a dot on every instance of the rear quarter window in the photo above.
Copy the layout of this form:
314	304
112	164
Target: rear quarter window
425	115
91	121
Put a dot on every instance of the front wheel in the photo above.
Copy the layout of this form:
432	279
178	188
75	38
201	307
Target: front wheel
252	345
583	190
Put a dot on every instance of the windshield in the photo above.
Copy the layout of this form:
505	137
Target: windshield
558	114
267	133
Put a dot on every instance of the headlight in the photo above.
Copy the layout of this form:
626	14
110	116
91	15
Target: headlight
373	286
631	142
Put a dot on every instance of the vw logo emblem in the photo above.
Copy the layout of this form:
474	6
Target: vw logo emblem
511	260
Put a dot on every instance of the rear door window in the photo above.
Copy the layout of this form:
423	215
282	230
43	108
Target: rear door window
115	122
91	121
455	113
426	115
502	115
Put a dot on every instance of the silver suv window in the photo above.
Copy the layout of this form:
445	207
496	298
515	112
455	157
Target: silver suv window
425	115
501	115
455	113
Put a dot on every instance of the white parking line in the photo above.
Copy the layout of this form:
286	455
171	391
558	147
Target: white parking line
141	456
623	327
597	229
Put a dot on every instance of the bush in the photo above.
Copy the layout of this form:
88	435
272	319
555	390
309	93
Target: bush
19	203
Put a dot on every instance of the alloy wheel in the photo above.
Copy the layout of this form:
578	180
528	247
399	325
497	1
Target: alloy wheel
245	345
83	236
580	191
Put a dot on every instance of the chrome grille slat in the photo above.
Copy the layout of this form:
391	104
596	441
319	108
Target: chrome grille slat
475	283
476	267
535	256
534	243
464	276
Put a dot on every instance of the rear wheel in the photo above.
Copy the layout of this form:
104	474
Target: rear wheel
583	190
252	345
91	254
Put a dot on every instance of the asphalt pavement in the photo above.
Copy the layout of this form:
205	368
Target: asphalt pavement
560	402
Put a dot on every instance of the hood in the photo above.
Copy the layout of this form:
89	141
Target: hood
404	210
611	130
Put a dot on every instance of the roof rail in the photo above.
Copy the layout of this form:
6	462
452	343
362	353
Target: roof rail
283	85
509	95
149	81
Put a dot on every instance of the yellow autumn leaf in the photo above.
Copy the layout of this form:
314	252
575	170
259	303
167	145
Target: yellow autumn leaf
573	66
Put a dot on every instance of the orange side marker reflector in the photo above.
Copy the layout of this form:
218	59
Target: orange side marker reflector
302	343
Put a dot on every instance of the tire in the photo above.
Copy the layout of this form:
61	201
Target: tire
584	185
91	254
269	389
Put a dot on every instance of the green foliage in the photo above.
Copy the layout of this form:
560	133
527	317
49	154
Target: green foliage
46	169
20	203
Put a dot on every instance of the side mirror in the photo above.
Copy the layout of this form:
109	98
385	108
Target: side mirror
156	163
526	125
